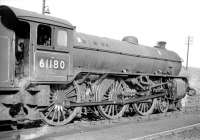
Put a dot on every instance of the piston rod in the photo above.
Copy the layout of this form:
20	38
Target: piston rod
128	101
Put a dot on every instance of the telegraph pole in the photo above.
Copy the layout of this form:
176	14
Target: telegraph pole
189	42
45	9
43	6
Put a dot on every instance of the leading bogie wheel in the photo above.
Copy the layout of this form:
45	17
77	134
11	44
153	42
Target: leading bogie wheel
59	111
146	107
163	105
111	90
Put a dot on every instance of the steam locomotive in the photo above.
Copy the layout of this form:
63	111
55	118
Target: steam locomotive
51	72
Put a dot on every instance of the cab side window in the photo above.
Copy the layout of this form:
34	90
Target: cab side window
62	38
44	35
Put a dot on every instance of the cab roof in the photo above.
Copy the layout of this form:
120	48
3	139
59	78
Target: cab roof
15	13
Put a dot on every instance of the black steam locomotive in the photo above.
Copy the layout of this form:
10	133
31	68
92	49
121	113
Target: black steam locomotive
49	71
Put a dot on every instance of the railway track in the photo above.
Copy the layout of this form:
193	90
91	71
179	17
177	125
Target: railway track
82	126
172	132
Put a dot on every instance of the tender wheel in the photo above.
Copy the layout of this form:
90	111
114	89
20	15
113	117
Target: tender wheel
163	105
146	107
59	111
110	90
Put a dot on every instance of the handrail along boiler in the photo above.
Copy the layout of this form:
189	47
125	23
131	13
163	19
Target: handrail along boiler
49	71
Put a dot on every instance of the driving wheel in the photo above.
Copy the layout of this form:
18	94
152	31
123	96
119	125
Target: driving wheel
111	90
59	111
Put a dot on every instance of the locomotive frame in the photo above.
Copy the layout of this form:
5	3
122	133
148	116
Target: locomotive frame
43	75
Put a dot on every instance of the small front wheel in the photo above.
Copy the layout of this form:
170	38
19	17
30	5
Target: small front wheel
145	107
163	105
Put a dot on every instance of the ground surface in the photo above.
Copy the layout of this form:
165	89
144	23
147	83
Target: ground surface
126	130
193	134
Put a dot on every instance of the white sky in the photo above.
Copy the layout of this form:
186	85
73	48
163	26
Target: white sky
149	20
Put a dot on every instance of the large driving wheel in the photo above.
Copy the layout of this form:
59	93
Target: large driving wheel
59	111
111	90
145	107
163	105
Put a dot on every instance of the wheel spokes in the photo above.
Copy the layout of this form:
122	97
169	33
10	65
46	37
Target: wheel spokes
163	105
144	108
59	111
110	90
49	112
110	110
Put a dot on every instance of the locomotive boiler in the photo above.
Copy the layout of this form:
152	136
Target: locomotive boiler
51	72
97	53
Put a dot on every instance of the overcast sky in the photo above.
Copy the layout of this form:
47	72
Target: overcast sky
149	20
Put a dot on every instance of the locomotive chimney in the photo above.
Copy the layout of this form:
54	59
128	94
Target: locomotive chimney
161	44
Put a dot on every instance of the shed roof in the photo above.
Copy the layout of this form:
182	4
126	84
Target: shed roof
12	12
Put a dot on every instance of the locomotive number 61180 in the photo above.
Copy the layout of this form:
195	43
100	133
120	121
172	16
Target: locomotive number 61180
52	63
